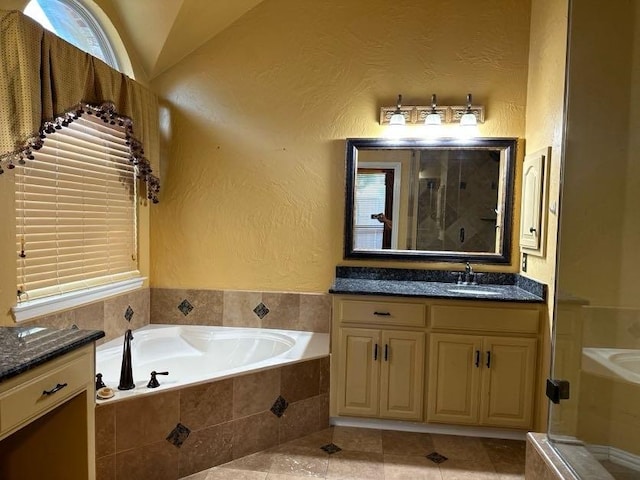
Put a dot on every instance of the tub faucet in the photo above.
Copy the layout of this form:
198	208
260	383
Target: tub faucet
126	371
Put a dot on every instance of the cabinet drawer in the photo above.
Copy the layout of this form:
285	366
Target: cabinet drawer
486	319
382	312
28	400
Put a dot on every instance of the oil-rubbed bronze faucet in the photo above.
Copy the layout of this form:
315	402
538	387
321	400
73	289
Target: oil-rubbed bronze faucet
126	371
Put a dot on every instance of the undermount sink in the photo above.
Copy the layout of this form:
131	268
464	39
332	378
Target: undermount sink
473	290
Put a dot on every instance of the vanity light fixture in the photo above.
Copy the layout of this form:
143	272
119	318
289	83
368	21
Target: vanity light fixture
433	117
430	114
398	117
468	119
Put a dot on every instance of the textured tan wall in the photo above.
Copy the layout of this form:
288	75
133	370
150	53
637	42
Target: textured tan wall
253	177
544	128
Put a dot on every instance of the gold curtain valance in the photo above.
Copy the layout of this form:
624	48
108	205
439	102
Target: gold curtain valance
44	80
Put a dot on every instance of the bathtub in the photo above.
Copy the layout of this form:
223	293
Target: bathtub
197	354
616	363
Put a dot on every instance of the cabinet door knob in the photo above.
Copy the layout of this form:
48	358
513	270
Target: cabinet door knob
532	230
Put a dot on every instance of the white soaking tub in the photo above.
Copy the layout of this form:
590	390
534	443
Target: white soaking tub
616	363
196	354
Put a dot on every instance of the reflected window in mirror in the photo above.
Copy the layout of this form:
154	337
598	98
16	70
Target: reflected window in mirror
448	200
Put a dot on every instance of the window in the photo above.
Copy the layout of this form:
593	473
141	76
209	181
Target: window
76	211
77	22
374	196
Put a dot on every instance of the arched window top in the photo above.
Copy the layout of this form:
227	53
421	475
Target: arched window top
84	25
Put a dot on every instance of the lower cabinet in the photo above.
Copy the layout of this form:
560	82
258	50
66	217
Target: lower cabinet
481	366
381	373
481	380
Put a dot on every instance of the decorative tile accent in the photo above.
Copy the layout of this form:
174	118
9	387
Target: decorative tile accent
634	330
185	307
279	406
331	448
435	457
128	314
261	310
178	435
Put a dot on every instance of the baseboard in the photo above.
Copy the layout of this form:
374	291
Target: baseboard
428	428
615	455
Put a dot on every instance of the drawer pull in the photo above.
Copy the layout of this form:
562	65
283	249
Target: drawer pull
375	352
386	352
488	359
477	362
55	389
382	314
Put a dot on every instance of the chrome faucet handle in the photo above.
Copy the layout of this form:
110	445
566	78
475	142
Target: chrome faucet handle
468	268
153	382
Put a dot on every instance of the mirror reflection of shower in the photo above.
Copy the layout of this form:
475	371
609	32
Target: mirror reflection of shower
456	200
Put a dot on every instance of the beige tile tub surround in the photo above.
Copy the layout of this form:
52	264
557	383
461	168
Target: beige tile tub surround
107	315
235	308
227	419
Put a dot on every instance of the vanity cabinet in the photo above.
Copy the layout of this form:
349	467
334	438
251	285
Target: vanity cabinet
481	380
381	370
482	365
47	420
382	373
479	369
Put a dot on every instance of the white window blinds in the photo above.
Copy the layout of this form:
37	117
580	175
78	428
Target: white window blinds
76	211
369	200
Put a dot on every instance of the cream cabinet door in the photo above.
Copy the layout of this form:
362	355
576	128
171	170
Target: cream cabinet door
454	378
508	366
359	367
402	375
533	208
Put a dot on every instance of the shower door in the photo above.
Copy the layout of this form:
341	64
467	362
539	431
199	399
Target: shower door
596	342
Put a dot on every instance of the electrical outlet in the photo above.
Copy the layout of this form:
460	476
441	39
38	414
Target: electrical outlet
524	262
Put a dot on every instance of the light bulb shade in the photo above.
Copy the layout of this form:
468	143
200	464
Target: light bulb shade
397	119
433	119
468	120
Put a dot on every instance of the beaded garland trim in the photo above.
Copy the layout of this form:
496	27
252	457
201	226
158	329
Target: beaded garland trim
106	111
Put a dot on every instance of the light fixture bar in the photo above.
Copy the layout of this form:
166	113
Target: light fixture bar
416	114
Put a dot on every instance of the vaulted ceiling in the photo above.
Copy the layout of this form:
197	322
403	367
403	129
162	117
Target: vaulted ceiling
164	32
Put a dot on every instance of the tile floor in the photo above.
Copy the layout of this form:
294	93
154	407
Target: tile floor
378	455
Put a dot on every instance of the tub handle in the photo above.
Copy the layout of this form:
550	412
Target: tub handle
153	382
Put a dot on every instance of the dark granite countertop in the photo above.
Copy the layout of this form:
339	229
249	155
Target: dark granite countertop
23	348
495	287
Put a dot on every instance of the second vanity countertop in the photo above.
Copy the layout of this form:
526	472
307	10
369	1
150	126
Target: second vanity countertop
23	348
495	287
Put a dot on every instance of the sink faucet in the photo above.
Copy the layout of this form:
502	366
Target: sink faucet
126	371
469	275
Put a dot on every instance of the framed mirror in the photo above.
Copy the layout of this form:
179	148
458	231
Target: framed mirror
444	200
